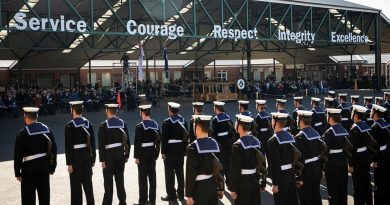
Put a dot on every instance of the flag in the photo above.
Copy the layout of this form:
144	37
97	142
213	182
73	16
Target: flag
140	61
118	99
165	57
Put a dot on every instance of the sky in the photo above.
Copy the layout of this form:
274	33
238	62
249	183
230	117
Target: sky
378	4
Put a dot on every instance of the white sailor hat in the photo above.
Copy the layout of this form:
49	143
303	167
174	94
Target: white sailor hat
112	105
261	102
331	92
30	109
298	98
379	108
142	95
281	100
198	104
244	118
76	103
145	107
218	103
198	118
328	99
304	113
333	111
379	98
359	109
386	93
279	115
174	105
355	96
243	102
316	99
367	98
343	94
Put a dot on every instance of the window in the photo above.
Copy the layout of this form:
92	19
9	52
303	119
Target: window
106	79
176	75
93	78
222	75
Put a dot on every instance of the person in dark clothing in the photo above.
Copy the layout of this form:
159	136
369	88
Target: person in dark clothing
80	154
146	151
379	101
329	103
368	105
298	106
318	120
201	180
197	108
332	94
114	149
280	107
354	100
173	149
35	158
345	107
263	122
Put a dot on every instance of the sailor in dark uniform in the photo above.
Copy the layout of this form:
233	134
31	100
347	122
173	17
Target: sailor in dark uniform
280	107
146	151
243	108
359	165
328	103
197	109
336	170
173	149
381	161
345	107
298	106
263	122
244	182
280	160
201	185
223	132
387	106
35	158
379	101
318	120
312	148
332	94
354	100
368	105
80	154
114	149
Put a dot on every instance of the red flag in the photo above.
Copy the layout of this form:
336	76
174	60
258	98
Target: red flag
118	99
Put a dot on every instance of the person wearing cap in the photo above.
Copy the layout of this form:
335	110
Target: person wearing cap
312	148
173	149
201	186
298	106
318	119
332	94
329	102
80	154
354	100
114	149
244	183
223	132
197	109
368	105
35	158
146	151
359	164
280	107
345	107
243	109
379	101
380	130
386	97
263	122
280	161
336	169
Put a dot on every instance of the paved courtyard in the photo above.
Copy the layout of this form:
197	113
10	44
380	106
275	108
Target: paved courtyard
60	188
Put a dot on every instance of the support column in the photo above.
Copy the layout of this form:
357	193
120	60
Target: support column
215	71
274	70
378	50
89	72
248	59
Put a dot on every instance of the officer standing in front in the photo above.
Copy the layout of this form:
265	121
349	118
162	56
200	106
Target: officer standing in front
298	106
280	160
197	109
345	107
201	174
35	158
114	149
263	122
173	149
146	151
80	154
318	121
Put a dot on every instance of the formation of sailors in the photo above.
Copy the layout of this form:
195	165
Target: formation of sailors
295	151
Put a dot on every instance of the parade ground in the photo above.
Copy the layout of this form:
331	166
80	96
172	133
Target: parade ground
60	188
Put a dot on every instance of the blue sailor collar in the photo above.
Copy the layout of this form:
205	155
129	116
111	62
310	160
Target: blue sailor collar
37	128
115	122
369	106
249	141
310	133
345	106
284	111
247	113
284	137
176	118
339	130
387	102
80	121
264	114
149	124
318	110
382	123
362	126
206	145
222	117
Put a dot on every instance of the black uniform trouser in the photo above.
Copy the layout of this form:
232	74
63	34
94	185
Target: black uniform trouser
309	193
248	190
227	156
362	185
382	184
205	192
39	183
81	178
114	169
337	182
147	169
287	194
173	165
